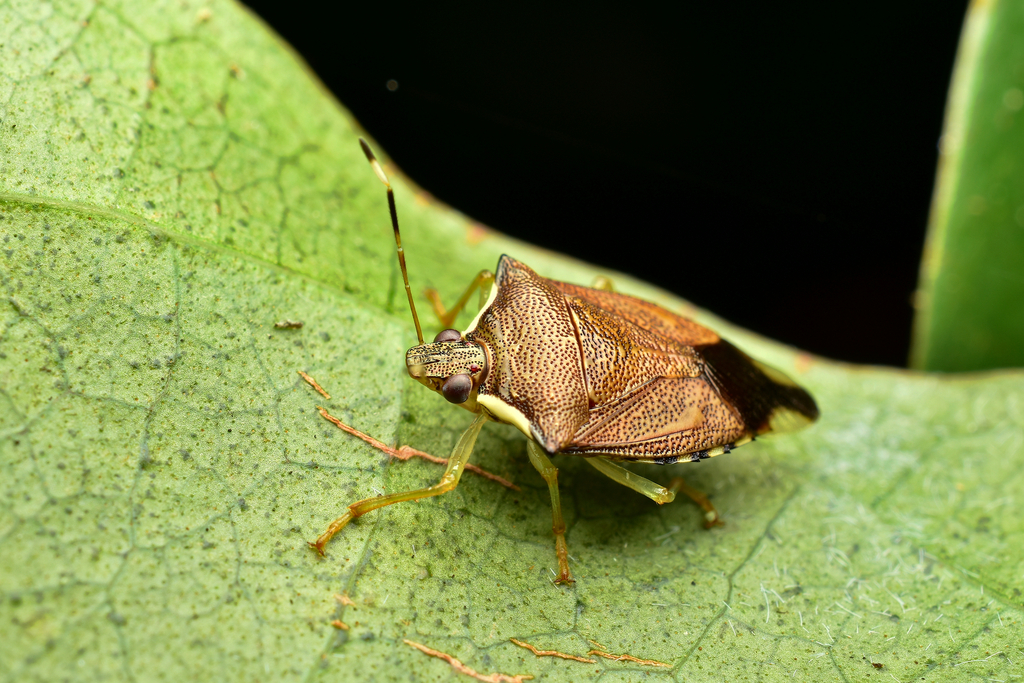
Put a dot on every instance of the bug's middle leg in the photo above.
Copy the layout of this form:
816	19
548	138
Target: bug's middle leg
484	279
456	466
549	472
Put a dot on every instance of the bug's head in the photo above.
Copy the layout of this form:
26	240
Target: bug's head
450	366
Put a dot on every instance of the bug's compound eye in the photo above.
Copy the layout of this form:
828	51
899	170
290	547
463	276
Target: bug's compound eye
448	335
456	388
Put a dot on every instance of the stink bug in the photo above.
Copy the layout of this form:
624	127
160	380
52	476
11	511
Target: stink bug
589	372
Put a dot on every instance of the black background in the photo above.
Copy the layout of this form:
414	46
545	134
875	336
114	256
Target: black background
772	164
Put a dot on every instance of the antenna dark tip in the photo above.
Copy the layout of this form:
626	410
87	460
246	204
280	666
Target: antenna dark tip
374	163
367	151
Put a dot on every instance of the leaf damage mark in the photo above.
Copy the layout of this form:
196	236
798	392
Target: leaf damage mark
600	651
463	669
313	383
551	653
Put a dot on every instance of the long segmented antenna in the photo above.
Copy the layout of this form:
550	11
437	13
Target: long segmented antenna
398	236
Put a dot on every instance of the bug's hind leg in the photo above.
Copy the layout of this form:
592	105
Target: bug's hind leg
549	472
456	466
656	492
484	279
711	518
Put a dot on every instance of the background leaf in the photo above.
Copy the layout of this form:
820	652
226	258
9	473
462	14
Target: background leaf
971	315
173	183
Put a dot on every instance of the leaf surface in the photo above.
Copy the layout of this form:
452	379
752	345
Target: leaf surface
173	183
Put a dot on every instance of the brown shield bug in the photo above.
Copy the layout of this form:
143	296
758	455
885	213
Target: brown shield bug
589	372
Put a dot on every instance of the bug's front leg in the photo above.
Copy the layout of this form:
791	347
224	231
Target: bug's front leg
449	480
484	279
549	472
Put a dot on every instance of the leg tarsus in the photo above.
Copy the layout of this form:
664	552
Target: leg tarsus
711	516
336	526
549	473
562	553
449	480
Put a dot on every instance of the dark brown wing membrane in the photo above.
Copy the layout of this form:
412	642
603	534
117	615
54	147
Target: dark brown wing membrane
765	399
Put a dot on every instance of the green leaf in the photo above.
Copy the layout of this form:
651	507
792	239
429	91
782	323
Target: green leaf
173	183
971	298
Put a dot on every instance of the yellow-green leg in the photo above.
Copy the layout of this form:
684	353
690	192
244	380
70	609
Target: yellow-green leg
484	279
549	472
656	492
456	466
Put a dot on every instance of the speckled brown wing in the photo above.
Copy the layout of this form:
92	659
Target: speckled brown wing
619	356
733	400
653	397
662	421
643	314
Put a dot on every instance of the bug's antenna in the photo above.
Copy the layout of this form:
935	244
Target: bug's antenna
398	236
